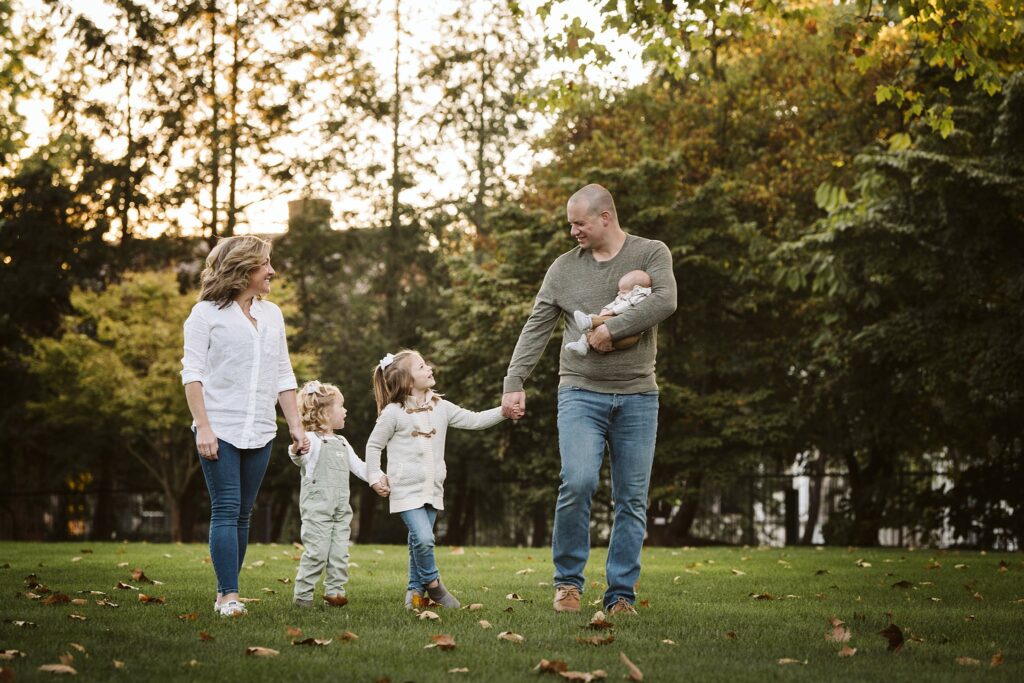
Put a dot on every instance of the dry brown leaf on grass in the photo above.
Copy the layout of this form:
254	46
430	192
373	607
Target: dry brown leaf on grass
284	580
58	669
967	661
459	670
787	660
205	637
730	635
458	551
484	624
903	584
103	602
118	664
668	642
635	674
121	585
66	658
838	632
474	607
583	676
22	624
247	601
318	642
737	572
293	632
550	666
510	637
862	563
80	648
191	616
151	599
894	635
595	640
79	601
847	651
56	599
997	659
11	654
257	651
528	570
516	597
442	642
762	596
139	576
420	601
77	617
427	614
598	622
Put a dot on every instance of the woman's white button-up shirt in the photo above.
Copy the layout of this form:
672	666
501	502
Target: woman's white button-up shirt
243	367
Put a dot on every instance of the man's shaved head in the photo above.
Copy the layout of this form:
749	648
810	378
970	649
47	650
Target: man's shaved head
596	199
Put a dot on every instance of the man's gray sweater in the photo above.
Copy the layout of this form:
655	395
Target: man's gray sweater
576	281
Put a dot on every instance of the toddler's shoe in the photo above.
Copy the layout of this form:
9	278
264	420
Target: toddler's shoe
336	600
583	320
231	608
303	603
580	346
441	596
414	599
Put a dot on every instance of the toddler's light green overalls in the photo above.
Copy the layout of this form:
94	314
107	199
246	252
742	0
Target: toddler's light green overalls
326	521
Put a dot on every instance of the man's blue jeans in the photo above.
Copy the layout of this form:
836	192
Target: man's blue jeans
422	566
233	481
628	423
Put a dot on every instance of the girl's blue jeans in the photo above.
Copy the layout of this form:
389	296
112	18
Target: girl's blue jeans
233	481
422	566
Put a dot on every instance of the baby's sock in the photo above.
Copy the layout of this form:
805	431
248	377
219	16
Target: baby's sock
580	346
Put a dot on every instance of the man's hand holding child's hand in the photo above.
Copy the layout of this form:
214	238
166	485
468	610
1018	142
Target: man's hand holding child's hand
382	488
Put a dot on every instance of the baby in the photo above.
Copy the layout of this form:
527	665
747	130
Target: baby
634	287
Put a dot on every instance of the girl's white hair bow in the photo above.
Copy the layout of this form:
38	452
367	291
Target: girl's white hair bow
312	387
387	360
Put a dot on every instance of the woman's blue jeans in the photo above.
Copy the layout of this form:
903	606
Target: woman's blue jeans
422	566
628	424
233	480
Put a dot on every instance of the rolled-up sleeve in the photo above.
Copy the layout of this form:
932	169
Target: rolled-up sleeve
197	347
285	374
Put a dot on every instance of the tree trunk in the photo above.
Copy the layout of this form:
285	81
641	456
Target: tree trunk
103	516
214	125
232	218
173	502
678	529
814	504
866	509
540	514
367	515
394	265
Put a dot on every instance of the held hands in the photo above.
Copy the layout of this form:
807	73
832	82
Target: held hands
513	405
206	443
300	442
600	339
382	488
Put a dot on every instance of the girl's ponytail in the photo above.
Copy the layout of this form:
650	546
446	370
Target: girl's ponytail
392	381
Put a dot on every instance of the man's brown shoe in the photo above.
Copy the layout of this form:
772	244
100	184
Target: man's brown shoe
567	598
621	606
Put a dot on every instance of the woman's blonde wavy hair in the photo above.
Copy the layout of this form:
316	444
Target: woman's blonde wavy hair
228	268
314	405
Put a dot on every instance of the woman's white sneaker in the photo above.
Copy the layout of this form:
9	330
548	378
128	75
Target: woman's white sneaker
231	608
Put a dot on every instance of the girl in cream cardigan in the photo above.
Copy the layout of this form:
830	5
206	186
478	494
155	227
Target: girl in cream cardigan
411	424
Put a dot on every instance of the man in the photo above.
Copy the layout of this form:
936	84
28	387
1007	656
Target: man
603	398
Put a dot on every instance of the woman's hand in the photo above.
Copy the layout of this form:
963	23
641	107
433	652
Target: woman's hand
300	442
206	443
382	488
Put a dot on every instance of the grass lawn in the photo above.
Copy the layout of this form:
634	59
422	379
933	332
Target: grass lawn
700	616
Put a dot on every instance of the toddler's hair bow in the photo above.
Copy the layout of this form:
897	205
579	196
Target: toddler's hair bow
387	360
313	387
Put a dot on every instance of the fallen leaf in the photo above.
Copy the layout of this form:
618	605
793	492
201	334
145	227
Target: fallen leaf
427	614
336	600
103	602
862	563
249	600
191	616
151	600
118	664
443	642
997	659
122	565
125	587
847	651
552	666
839	632
58	669
78	617
348	636
934	564
894	635
960	566
475	606
284	580
762	596
730	635
977	596
258	563
903	584
11	654
139	576
22	624
787	660
459	670
515	596
821	572
261	652
79	601
293	632
596	640
484	624
528	570
79	647
312	641
582	675
967	661
645	604
511	637
269	591
205	637
56	599
66	658
672	642
737	572
597	622
634	674
76	559
458	551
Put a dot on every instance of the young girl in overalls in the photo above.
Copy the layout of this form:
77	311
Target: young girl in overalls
411	424
324	496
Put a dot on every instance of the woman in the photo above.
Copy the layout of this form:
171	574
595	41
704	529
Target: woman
235	366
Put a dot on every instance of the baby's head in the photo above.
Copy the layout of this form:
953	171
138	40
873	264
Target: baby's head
321	407
634	278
